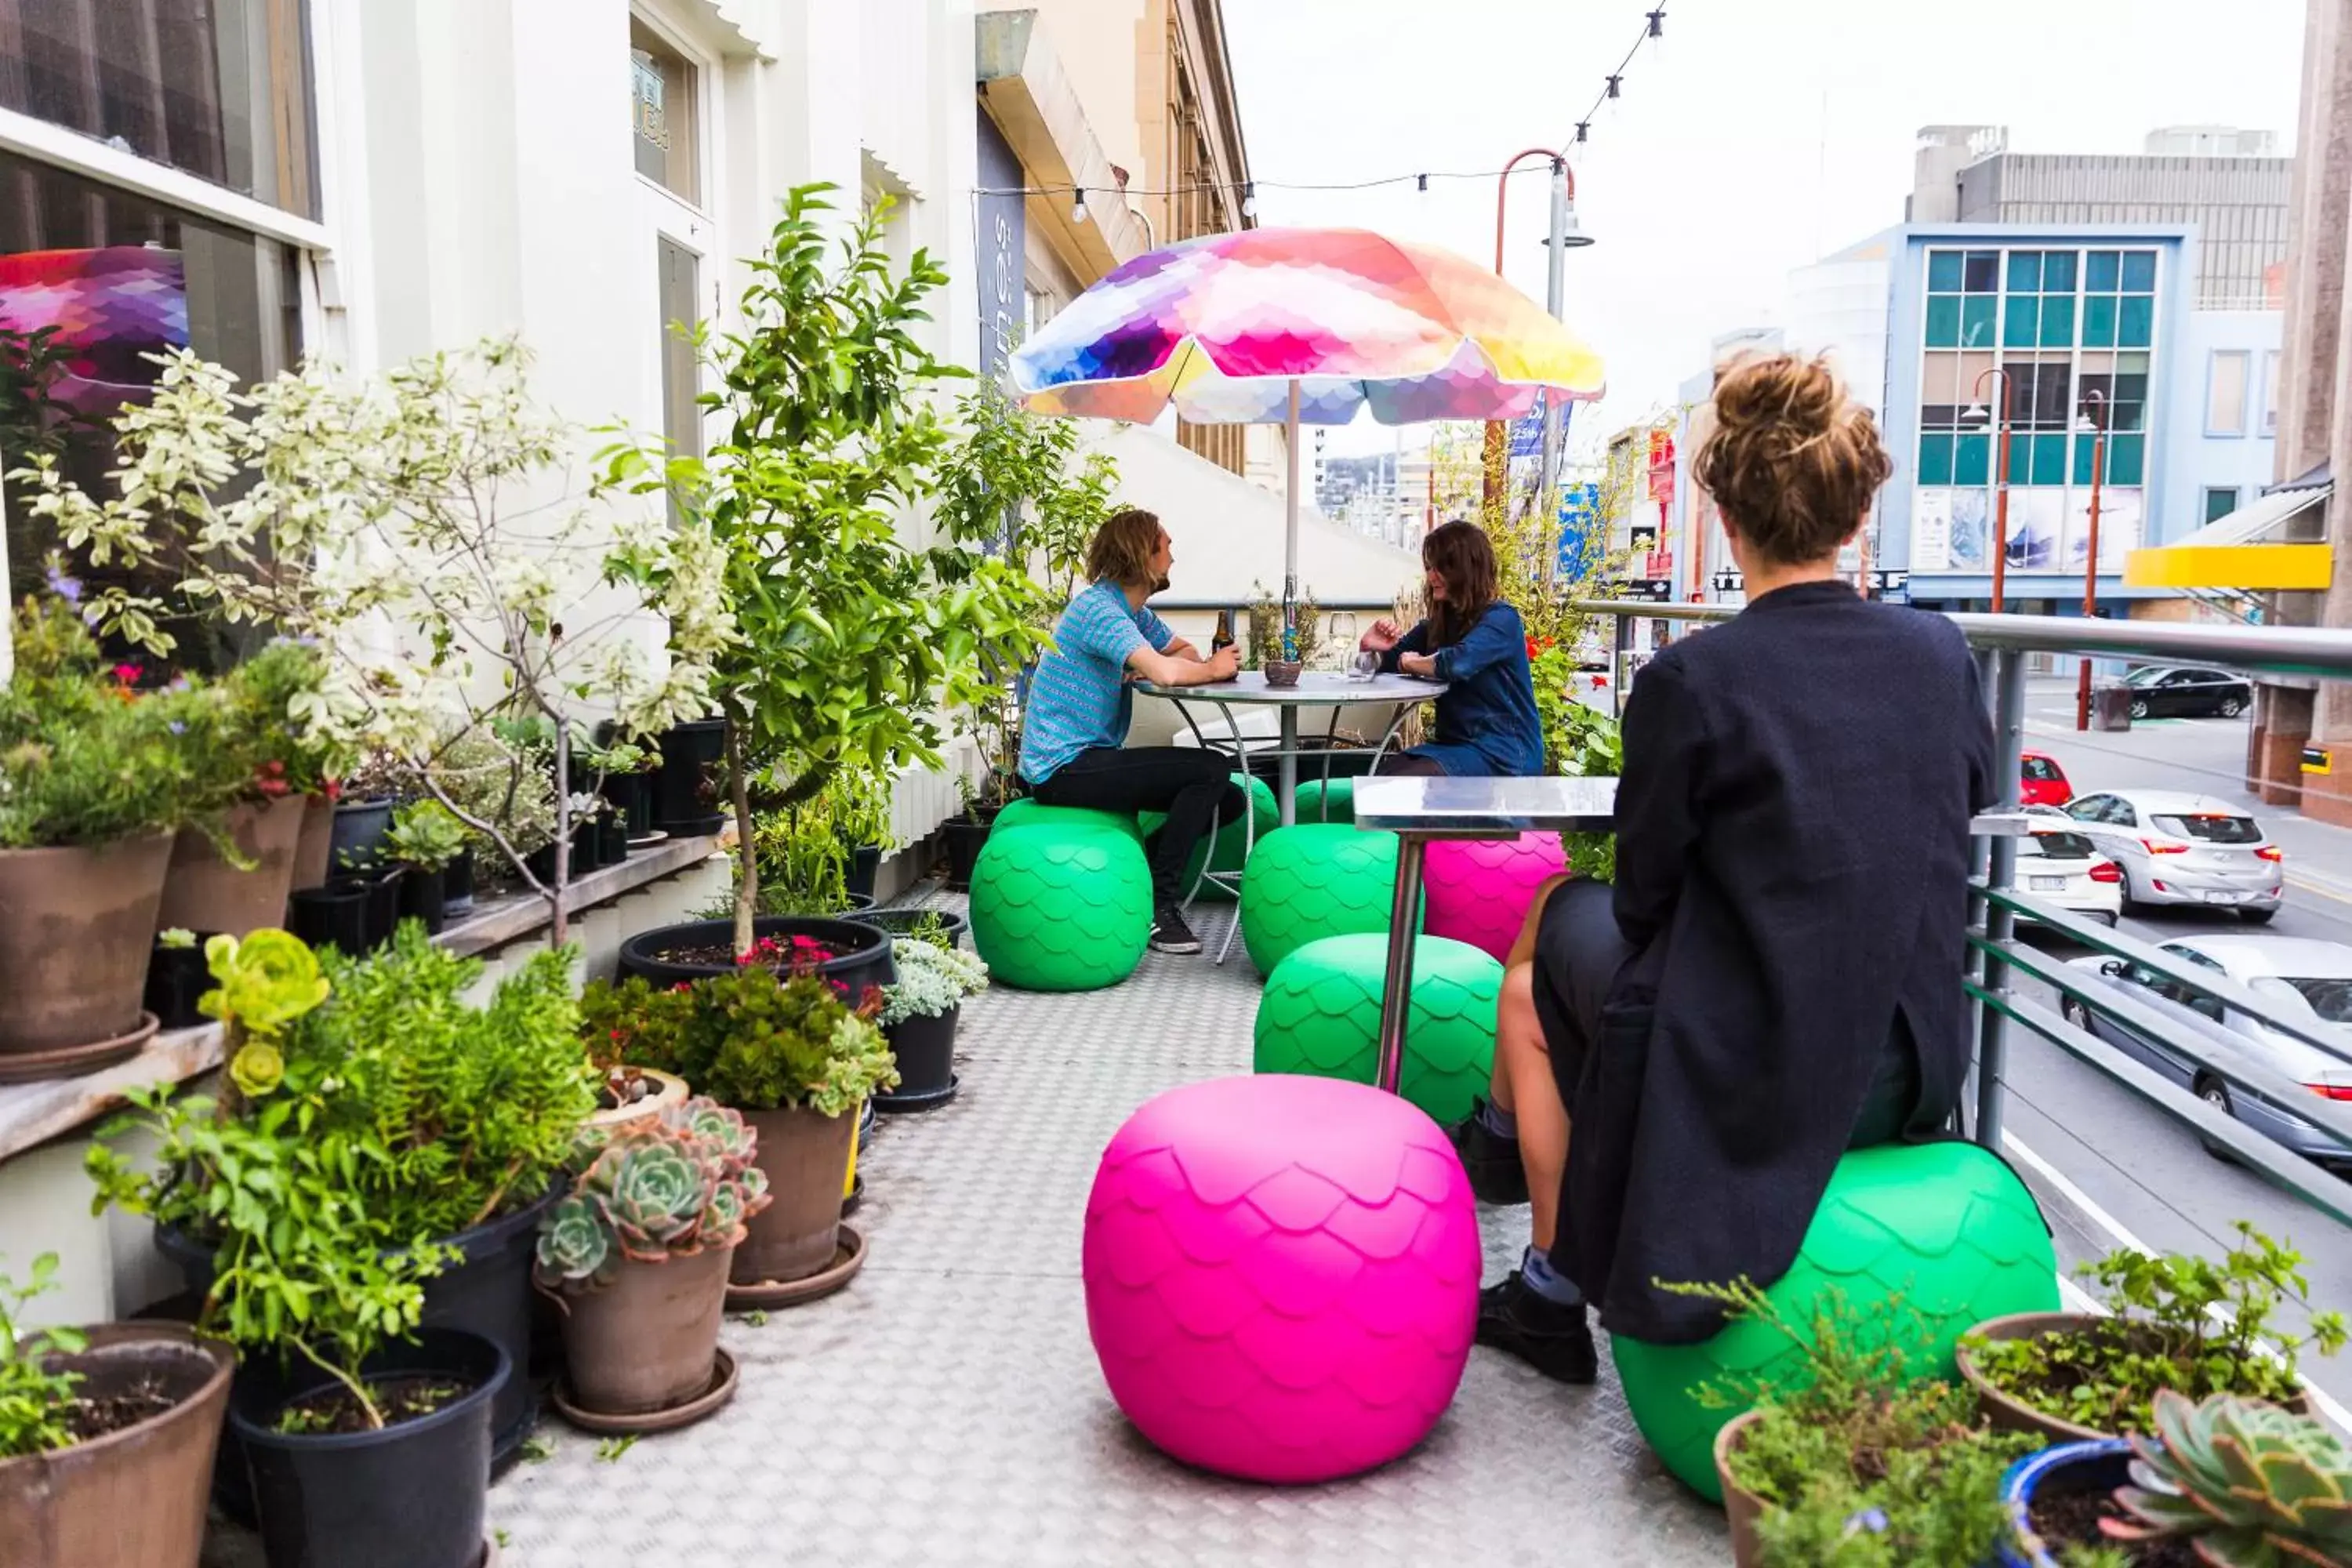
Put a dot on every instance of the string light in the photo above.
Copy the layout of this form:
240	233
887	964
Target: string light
1249	198
1615	82
1613	85
1422	180
1658	22
1078	207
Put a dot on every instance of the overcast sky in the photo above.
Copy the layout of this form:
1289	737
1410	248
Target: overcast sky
1758	135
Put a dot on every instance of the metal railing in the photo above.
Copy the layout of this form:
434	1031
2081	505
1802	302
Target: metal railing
2003	644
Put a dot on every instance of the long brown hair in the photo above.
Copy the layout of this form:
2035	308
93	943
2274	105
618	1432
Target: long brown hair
1122	549
1463	559
1790	461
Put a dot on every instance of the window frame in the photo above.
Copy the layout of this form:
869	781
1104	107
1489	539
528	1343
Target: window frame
2207	494
705	65
2243	424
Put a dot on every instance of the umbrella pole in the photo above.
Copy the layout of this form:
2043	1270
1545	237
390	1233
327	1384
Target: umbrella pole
1287	774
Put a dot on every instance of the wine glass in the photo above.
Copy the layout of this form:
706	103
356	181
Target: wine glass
1363	664
1341	629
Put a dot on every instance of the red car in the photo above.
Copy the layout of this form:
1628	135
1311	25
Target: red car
2044	782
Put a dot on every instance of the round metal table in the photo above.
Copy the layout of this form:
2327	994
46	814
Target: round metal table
1315	689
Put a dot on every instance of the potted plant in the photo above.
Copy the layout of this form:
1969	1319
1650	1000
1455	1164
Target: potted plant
636	1255
1855	1445
945	928
796	1059
177	979
459	1122
426	839
859	803
628	1094
2224	1482
919	1018
846	640
107	1438
2190	1325
99	777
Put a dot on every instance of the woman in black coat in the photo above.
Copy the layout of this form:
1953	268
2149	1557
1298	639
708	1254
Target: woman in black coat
1775	976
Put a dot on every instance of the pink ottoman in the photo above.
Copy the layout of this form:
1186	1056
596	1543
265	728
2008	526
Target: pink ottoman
1479	889
1282	1275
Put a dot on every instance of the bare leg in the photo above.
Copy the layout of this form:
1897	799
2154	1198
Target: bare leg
1525	1087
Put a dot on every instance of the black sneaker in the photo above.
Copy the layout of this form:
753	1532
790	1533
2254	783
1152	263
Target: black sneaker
1554	1339
1492	1161
1170	935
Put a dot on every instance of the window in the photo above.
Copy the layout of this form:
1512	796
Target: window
681	416
217	88
120	277
2220	501
2212	829
662	112
2225	392
2058	846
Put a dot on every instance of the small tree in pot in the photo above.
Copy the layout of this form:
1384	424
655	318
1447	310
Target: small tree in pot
919	1018
637	1254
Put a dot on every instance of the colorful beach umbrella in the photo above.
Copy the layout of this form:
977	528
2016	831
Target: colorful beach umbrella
1301	326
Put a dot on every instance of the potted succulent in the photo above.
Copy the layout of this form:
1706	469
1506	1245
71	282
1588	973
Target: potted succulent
2190	1324
636	1255
2226	1481
426	839
457	1122
919	1018
177	979
98	776
796	1059
107	1438
233	875
1855	1445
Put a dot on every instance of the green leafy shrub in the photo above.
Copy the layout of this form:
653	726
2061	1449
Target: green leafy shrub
933	979
1858	1464
426	835
803	861
2190	1324
2250	1484
35	1403
654	1193
1578	742
752	1039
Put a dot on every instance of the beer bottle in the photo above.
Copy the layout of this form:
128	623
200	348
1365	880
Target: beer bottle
1223	638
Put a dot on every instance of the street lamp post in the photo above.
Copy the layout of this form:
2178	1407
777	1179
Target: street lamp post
2000	482
2091	400
1564	237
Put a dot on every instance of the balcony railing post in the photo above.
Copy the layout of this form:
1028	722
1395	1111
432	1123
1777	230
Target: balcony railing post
1620	677
2000	872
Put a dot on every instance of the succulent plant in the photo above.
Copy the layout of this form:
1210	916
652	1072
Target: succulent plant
2252	1485
651	1192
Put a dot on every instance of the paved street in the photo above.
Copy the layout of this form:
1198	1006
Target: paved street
2075	1129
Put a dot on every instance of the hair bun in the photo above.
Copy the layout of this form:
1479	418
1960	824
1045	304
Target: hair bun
1790	462
1801	395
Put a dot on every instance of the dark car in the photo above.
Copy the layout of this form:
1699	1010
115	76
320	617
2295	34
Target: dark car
2174	691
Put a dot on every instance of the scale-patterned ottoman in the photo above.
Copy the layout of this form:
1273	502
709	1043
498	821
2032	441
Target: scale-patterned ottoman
1320	1013
1061	907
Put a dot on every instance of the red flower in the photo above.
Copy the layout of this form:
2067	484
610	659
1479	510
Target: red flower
128	674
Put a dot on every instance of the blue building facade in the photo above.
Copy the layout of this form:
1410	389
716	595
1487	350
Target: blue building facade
2078	327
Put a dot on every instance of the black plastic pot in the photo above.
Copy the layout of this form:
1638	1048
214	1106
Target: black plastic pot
965	836
686	803
612	839
413	1495
382	903
176	978
632	796
864	864
334	916
902	922
485	1292
925	1049
359	833
422	896
587	849
457	884
865	950
541	863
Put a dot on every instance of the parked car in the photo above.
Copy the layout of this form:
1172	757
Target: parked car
2177	849
2176	691
2043	781
2310	984
2065	868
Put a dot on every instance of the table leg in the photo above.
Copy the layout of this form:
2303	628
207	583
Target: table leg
1396	994
1289	765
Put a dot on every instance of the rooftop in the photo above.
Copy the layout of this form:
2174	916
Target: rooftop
947	1407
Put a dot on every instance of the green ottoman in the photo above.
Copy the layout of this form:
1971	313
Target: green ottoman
1231	845
1055	907
1319	802
1320	1013
1028	813
1316	879
1946	1227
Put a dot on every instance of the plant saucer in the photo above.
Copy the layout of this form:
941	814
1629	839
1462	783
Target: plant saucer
928	1099
721	1390
72	1061
848	1257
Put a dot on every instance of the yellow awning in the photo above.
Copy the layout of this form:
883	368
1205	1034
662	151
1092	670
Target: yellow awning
2226	553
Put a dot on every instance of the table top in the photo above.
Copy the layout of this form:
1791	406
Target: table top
1315	689
1451	805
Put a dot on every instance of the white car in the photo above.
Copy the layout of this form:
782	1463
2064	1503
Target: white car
2065	868
2179	849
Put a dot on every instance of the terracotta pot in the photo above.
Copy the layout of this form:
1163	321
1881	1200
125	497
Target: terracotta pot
2007	1413
314	849
205	892
132	1499
672	1092
77	926
804	1155
647	1340
1741	1508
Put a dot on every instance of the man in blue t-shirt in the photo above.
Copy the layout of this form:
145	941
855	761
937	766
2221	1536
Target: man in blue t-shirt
1074	728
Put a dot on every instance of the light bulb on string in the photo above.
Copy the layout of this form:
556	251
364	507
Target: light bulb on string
1249	200
1078	208
1615	82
